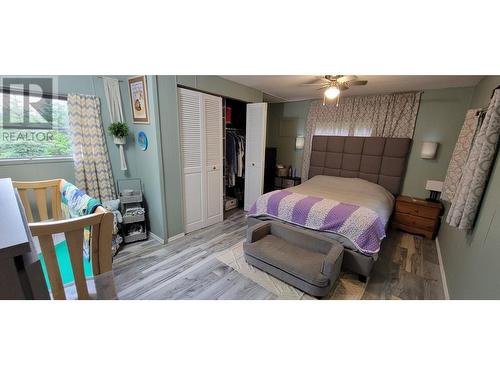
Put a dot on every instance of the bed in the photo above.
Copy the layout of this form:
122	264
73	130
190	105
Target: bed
364	172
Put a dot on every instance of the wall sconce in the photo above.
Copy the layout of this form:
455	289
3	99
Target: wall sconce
299	143
428	150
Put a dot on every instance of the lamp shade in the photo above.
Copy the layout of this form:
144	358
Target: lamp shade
299	143
428	150
434	185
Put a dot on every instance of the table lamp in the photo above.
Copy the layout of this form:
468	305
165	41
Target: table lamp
435	187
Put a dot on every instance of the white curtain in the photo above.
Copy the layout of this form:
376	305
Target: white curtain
467	198
391	115
460	154
114	100
92	167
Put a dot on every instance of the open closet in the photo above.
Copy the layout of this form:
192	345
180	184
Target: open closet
234	139
222	154
244	152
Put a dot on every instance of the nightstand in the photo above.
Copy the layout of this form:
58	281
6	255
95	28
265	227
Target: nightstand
417	216
286	182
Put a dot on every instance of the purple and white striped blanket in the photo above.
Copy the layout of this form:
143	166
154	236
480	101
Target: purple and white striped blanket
361	225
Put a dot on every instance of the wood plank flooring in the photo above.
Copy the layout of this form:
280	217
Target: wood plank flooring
187	268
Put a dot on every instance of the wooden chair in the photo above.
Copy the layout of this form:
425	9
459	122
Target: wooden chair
40	189
101	224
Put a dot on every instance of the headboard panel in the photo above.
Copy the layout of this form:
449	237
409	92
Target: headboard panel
375	159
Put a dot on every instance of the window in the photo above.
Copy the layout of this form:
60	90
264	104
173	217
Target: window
33	126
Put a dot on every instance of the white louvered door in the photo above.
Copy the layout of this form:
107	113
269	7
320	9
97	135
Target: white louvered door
212	111
190	122
255	152
200	121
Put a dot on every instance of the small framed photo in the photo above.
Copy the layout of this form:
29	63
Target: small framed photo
139	99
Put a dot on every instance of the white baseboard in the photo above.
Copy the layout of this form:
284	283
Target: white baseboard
176	237
157	238
441	268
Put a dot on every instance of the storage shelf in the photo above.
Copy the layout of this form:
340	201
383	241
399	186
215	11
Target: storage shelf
127	219
136	198
135	237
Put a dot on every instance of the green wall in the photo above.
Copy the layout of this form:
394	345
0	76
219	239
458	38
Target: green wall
471	260
170	141
146	165
19	171
169	127
440	118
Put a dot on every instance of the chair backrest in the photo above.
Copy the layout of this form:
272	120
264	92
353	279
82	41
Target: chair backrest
41	190
101	223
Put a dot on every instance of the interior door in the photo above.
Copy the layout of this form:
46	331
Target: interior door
255	152
192	151
212	113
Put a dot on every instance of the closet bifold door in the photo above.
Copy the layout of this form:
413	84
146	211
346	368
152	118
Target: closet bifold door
255	151
212	120
192	152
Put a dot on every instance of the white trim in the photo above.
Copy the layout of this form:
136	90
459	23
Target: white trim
157	238
62	159
441	268
176	237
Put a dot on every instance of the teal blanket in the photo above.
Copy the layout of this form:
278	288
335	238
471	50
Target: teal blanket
75	203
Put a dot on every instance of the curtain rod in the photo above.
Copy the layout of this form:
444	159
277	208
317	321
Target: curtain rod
101	77
45	95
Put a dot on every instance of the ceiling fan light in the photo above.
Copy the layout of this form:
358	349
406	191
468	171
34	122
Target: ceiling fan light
332	92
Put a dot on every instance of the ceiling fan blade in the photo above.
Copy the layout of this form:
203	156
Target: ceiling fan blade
357	83
345	79
315	81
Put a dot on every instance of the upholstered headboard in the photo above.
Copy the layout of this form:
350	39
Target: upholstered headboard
376	159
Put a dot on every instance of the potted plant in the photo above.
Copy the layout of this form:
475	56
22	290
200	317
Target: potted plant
119	131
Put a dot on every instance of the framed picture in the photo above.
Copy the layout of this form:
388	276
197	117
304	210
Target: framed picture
139	99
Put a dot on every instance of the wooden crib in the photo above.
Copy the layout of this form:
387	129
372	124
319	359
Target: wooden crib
101	223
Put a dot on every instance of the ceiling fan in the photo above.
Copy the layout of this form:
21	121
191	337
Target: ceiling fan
333	85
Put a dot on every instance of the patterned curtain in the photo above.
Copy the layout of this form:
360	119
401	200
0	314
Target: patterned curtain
391	115
460	154
467	198
92	167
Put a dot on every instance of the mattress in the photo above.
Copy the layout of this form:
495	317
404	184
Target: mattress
348	190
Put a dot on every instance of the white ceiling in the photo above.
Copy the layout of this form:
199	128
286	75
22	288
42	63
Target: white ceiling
292	88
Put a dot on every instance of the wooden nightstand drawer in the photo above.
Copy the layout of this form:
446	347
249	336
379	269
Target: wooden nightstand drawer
417	216
415	209
415	221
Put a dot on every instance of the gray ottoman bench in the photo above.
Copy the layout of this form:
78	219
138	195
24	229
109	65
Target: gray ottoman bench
304	260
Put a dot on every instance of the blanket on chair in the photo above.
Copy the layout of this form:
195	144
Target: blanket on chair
75	203
361	225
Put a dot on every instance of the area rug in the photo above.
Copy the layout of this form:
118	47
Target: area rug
347	288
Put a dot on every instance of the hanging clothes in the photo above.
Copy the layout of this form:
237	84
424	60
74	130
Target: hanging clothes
235	156
241	154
